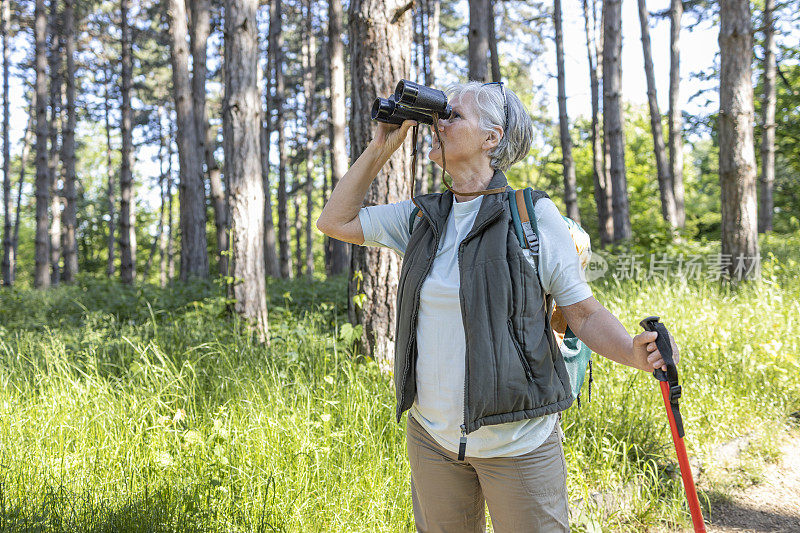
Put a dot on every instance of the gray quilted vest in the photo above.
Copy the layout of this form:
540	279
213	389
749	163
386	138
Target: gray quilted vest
514	369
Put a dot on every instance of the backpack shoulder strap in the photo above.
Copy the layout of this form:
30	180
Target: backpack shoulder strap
522	203
414	214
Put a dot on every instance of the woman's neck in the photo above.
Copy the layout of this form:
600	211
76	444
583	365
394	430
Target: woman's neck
470	178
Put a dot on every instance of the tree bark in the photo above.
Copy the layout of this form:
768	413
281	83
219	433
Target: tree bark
70	221
612	115
662	166
493	55
200	28
675	120
309	77
111	194
339	251
164	190
27	141
127	226
217	198
270	243
570	183
207	134
768	122
478	40
276	39
433	9
271	262
42	273
170	208
54	159
737	167
298	220
194	257
241	139
602	189
374	271
5	14
421	179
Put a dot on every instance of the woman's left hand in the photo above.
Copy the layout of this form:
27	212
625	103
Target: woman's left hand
646	354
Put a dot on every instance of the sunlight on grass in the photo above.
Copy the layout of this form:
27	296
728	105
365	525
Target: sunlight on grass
140	409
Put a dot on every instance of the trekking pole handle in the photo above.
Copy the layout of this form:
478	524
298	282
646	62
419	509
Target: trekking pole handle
652	323
672	388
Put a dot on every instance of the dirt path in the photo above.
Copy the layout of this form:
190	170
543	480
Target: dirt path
772	505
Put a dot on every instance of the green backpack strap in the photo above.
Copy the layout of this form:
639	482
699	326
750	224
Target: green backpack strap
576	354
522	203
414	214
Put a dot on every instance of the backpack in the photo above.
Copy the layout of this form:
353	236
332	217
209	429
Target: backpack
577	356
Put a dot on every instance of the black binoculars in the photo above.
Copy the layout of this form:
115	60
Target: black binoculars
411	101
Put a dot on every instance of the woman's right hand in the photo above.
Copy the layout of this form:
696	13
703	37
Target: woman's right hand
389	137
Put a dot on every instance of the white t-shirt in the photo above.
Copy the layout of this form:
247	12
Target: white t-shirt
440	372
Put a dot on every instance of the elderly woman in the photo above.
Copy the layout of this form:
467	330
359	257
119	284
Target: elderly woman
476	363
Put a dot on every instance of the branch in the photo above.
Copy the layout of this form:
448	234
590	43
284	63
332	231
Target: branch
785	81
400	11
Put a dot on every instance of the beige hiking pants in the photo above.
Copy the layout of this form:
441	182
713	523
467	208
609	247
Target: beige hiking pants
526	493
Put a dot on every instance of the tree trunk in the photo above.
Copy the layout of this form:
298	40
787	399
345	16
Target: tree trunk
309	77
433	9
5	14
217	198
42	273
27	141
242	122
206	134
70	221
612	116
270	243
339	251
737	166
570	183
478	41
171	214
421	180
111	193
298	222
675	120
768	122
493	55
374	271
194	257
54	159
276	37
602	189
662	166
164	190
271	262
200	19
605	143
127	227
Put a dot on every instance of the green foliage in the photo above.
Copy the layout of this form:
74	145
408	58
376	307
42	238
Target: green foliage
143	409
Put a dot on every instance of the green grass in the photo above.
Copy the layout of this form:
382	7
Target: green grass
141	409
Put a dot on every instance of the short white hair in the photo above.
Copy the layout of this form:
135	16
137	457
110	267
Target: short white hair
516	142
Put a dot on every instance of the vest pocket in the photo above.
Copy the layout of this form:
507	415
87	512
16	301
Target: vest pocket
525	365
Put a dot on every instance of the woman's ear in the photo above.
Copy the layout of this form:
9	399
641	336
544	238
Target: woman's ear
493	138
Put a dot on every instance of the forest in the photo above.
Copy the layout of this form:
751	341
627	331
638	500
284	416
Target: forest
182	349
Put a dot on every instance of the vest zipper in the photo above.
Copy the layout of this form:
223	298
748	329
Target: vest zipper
413	336
525	365
462	446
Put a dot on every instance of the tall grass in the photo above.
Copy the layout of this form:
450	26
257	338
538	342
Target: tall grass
140	409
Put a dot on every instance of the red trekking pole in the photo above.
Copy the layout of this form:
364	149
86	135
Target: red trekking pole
671	392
